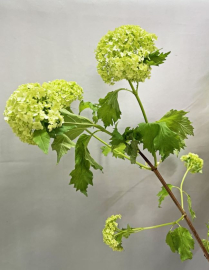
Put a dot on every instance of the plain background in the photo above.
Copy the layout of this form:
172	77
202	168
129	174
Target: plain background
45	224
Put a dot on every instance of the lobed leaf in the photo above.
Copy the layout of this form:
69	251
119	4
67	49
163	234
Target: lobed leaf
42	139
88	105
117	138
163	193
61	145
191	211
109	110
156	58
117	151
132	150
158	137
82	176
178	123
76	124
180	240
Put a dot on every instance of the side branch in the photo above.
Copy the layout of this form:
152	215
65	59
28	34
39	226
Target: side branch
159	176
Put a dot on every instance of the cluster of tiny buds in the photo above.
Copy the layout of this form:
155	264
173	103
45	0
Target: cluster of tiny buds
111	227
193	162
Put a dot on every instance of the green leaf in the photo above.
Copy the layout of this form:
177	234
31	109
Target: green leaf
127	232
119	237
106	150
189	201
60	130
156	58
42	139
177	122
163	193
61	145
74	119
76	124
206	244
170	242
82	175
116	139
109	110
117	151
180	240
88	105
132	150
158	137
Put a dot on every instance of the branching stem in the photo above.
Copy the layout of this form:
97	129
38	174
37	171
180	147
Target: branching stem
126	157
159	176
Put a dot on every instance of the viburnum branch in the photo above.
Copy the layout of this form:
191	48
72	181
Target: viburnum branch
39	113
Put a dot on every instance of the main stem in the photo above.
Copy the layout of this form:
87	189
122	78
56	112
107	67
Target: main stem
159	176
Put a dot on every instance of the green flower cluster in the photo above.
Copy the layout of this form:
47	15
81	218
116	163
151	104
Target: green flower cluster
32	105
193	162
109	233
120	54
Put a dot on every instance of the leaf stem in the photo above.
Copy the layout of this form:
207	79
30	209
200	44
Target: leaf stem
126	157
158	226
123	89
181	188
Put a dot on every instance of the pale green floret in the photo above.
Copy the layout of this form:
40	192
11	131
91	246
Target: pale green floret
120	54
193	162
31	105
111	227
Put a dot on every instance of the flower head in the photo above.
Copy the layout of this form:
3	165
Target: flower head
193	162
111	227
32	105
120	54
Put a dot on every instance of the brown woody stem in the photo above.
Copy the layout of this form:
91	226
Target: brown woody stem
159	176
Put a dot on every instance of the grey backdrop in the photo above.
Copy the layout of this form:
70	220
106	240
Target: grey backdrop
45	224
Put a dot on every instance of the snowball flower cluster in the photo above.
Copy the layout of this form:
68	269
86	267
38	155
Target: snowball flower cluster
120	54
193	162
109	233
33	106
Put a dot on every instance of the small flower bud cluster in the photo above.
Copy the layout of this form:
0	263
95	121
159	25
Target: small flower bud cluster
193	162
33	104
109	233
120	54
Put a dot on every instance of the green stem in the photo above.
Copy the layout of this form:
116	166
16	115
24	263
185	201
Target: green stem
126	157
123	89
103	129
90	125
158	226
181	188
139	101
135	92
